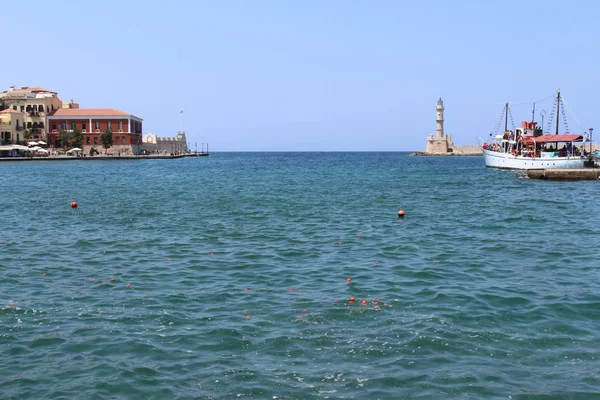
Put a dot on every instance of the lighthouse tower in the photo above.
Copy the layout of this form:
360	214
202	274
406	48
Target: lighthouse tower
439	119
439	143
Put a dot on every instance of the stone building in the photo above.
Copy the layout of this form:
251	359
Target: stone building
92	122
25	113
154	144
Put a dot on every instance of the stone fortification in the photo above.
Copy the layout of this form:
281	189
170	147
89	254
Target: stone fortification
154	144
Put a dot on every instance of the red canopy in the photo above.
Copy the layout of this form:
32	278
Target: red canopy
553	138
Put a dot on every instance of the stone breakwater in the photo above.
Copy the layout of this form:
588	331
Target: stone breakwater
462	150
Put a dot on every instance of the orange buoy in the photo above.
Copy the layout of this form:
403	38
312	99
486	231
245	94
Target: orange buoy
74	204
401	213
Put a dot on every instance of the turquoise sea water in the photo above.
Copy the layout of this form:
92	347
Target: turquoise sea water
227	277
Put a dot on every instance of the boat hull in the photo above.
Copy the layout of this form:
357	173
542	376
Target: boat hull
494	159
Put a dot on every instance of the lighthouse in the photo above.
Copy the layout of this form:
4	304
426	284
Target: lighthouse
439	143
439	118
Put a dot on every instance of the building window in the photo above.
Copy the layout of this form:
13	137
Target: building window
53	126
63	126
73	126
83	126
108	125
95	140
97	124
29	125
15	108
22	108
121	125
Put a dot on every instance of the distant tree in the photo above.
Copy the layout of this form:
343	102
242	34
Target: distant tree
76	138
106	139
63	139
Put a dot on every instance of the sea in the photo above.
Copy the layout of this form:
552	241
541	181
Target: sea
291	276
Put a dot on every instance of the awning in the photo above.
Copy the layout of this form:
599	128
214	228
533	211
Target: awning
553	139
13	147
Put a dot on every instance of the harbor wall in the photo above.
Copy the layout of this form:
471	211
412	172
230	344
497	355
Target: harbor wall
453	150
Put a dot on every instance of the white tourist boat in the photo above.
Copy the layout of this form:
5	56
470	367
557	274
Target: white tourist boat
528	148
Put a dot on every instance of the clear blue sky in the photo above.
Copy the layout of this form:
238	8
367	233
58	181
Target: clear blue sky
308	75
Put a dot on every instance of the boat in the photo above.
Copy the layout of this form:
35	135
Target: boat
528	147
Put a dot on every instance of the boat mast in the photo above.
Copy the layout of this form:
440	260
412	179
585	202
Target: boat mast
506	117
533	113
557	110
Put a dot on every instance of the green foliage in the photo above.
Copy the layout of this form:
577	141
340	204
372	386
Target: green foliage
106	138
76	138
63	137
70	139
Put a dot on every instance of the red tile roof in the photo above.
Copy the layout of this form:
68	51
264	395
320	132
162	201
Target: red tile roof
30	89
88	112
10	111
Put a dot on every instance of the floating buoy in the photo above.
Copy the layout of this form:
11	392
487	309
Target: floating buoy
74	204
349	280
401	213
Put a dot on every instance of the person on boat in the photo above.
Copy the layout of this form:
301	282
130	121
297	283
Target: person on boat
563	151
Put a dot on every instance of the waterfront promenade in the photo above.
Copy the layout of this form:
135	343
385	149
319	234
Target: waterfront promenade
104	157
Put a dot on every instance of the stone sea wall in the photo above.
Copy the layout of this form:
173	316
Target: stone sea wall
457	150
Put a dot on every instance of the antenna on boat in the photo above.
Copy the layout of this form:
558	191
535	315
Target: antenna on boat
506	117
533	113
557	110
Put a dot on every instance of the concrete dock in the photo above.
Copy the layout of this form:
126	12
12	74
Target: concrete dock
585	174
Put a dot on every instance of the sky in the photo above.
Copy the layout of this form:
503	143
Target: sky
310	75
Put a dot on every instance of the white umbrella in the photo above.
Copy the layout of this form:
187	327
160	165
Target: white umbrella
36	148
42	150
33	143
74	149
41	142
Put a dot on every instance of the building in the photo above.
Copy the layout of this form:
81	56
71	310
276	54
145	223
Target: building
154	144
11	126
92	122
441	143
30	109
